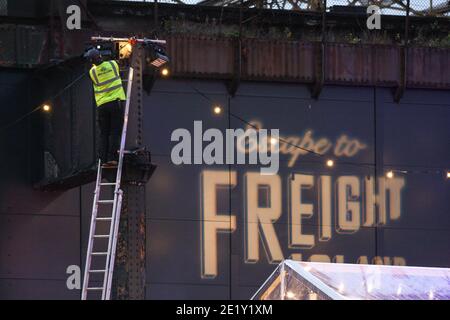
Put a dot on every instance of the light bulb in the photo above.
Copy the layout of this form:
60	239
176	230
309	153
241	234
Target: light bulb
330	163
165	72
217	110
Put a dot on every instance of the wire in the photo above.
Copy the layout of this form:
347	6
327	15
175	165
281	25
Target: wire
39	107
439	171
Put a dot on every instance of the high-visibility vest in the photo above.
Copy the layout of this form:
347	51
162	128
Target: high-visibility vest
107	82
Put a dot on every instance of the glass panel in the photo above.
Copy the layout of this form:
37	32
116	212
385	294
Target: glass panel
294	280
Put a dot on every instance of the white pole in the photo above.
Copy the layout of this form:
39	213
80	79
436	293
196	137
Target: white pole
127	39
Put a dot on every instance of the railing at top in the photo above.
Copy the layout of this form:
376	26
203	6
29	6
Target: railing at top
388	7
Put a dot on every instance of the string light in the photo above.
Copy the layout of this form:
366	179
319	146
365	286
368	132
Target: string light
274	141
46	108
40	107
217	110
389	174
165	72
290	295
330	163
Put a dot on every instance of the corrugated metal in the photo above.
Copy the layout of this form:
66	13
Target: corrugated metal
428	67
212	57
264	60
361	64
278	60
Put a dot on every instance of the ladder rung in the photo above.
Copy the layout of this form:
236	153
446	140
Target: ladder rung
103	219
105	201
108	184
94	289
97	271
101	236
99	253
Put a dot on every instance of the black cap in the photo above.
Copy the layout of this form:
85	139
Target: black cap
92	54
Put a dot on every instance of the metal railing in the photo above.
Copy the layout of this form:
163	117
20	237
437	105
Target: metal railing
388	7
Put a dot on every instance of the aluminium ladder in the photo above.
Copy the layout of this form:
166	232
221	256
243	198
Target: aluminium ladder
106	258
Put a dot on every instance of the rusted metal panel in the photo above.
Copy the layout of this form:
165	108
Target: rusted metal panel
22	46
361	64
428	67
386	64
346	63
201	56
262	60
278	60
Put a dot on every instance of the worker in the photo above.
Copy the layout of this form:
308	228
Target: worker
109	97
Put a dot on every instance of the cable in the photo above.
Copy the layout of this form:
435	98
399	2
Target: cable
39	107
439	171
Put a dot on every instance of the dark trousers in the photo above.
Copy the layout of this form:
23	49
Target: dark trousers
110	122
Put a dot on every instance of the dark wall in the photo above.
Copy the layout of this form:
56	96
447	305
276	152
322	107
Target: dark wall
39	232
411	136
43	233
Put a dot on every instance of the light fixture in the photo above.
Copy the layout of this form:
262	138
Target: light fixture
290	295
46	108
165	72
217	110
448	174
330	163
390	174
157	57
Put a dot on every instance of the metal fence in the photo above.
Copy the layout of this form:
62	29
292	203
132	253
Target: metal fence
388	7
3	7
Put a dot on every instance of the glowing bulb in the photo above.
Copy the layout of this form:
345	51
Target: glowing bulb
165	72
390	174
431	295
448	174
274	141
312	296
217	110
290	295
46	108
330	163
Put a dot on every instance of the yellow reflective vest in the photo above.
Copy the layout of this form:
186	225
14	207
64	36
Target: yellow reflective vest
107	82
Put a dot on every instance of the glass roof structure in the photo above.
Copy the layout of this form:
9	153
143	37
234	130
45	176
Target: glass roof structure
294	280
